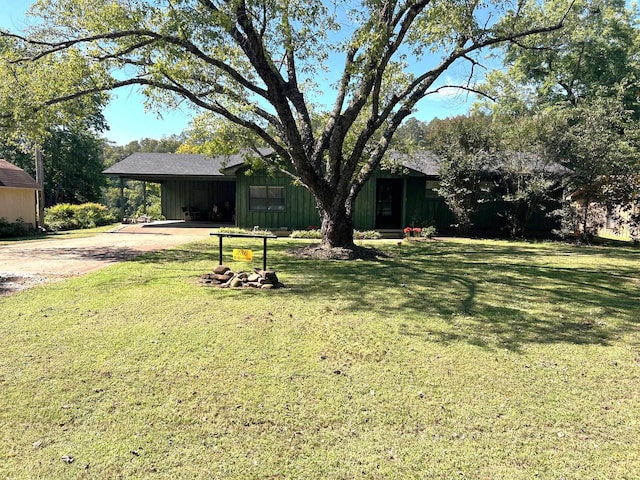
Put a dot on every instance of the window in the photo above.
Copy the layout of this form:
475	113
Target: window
266	198
430	187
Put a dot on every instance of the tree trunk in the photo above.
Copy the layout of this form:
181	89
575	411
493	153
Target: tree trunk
337	228
586	234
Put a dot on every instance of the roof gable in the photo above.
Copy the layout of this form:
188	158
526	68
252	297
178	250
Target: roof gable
15	177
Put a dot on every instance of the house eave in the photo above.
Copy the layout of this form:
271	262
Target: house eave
155	178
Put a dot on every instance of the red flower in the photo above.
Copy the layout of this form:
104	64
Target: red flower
407	230
417	229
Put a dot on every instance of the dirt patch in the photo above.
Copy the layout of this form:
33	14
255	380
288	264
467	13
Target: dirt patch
30	263
14	283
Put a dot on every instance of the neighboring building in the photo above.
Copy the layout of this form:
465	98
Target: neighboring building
17	195
616	224
199	187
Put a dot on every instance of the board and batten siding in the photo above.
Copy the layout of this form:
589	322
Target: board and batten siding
300	208
200	195
420	206
299	211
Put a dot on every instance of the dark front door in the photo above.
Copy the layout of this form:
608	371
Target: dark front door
389	203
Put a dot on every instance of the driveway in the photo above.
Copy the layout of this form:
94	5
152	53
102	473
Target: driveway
28	263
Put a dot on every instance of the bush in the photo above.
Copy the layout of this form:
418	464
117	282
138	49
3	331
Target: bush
12	229
65	216
367	235
255	231
310	233
428	232
153	211
317	234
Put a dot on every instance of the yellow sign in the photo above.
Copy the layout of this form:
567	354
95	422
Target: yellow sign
242	254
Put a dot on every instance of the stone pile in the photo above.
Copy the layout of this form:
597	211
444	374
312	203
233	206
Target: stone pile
224	277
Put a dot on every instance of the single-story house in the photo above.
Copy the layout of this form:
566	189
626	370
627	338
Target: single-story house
197	187
17	195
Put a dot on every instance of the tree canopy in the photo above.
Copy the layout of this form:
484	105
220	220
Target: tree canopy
324	84
576	91
593	56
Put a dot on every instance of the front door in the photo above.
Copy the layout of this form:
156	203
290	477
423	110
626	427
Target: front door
389	203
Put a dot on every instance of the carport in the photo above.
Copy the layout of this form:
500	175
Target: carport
193	187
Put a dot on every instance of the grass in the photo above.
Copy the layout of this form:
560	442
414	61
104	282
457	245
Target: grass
456	359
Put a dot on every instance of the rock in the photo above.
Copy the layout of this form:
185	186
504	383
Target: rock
222	277
259	279
254	277
268	275
221	269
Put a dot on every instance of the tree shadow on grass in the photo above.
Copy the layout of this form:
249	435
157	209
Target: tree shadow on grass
183	254
492	296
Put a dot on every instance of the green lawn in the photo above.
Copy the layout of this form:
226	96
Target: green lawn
456	359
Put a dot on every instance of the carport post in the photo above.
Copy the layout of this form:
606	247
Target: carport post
121	199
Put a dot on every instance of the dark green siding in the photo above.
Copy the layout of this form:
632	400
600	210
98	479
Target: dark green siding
364	211
421	204
300	207
199	195
425	207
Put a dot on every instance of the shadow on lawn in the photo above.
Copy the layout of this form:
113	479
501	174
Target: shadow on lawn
489	295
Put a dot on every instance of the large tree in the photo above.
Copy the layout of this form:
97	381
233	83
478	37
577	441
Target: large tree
579	88
593	56
260	64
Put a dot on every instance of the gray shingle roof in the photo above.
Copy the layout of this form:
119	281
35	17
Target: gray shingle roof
427	163
14	177
172	165
422	161
162	165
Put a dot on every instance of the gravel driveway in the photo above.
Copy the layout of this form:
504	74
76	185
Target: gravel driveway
24	264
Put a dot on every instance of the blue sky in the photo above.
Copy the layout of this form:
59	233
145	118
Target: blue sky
128	120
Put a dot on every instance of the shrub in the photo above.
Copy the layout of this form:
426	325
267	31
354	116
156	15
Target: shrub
153	211
419	232
311	233
317	234
367	235
64	216
428	232
12	229
255	231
